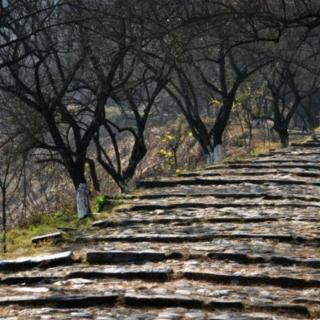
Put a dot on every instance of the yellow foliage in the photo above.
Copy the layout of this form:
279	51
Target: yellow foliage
215	103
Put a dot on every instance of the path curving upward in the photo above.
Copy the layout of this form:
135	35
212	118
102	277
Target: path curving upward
234	241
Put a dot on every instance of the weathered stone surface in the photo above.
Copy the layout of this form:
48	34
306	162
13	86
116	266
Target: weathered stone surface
37	261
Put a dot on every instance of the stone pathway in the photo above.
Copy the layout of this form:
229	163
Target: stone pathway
240	240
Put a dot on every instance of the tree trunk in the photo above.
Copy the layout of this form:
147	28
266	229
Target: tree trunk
82	193
126	185
138	152
218	153
210	157
83	204
281	128
4	220
219	127
284	138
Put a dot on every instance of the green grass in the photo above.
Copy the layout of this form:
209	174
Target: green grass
19	240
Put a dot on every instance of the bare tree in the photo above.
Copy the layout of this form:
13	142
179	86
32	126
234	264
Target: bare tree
47	83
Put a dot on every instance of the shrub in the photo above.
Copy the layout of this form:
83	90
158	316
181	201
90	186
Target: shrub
100	202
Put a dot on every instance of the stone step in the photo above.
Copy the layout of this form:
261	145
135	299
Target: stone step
264	166
258	259
44	261
53	237
226	195
296	228
138	300
294	153
79	301
117	256
306	145
161	301
280	192
155	274
246	248
212	182
219	205
107	313
274	160
181	238
146	274
140	257
181	221
251	280
248	173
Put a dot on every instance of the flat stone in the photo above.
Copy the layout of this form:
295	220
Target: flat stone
256	259
195	315
82	314
225	304
60	301
306	145
43	261
168	301
241	280
28	280
294	309
117	256
150	274
54	237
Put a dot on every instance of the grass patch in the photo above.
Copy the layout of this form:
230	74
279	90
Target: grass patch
19	240
259	148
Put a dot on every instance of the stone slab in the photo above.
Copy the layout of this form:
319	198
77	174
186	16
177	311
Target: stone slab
43	261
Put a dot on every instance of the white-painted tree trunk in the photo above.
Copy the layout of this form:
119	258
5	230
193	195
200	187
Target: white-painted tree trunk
210	158
218	153
83	205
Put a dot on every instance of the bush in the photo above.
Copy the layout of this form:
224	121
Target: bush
100	202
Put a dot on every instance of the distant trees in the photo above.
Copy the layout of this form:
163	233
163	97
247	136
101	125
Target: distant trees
288	91
221	59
